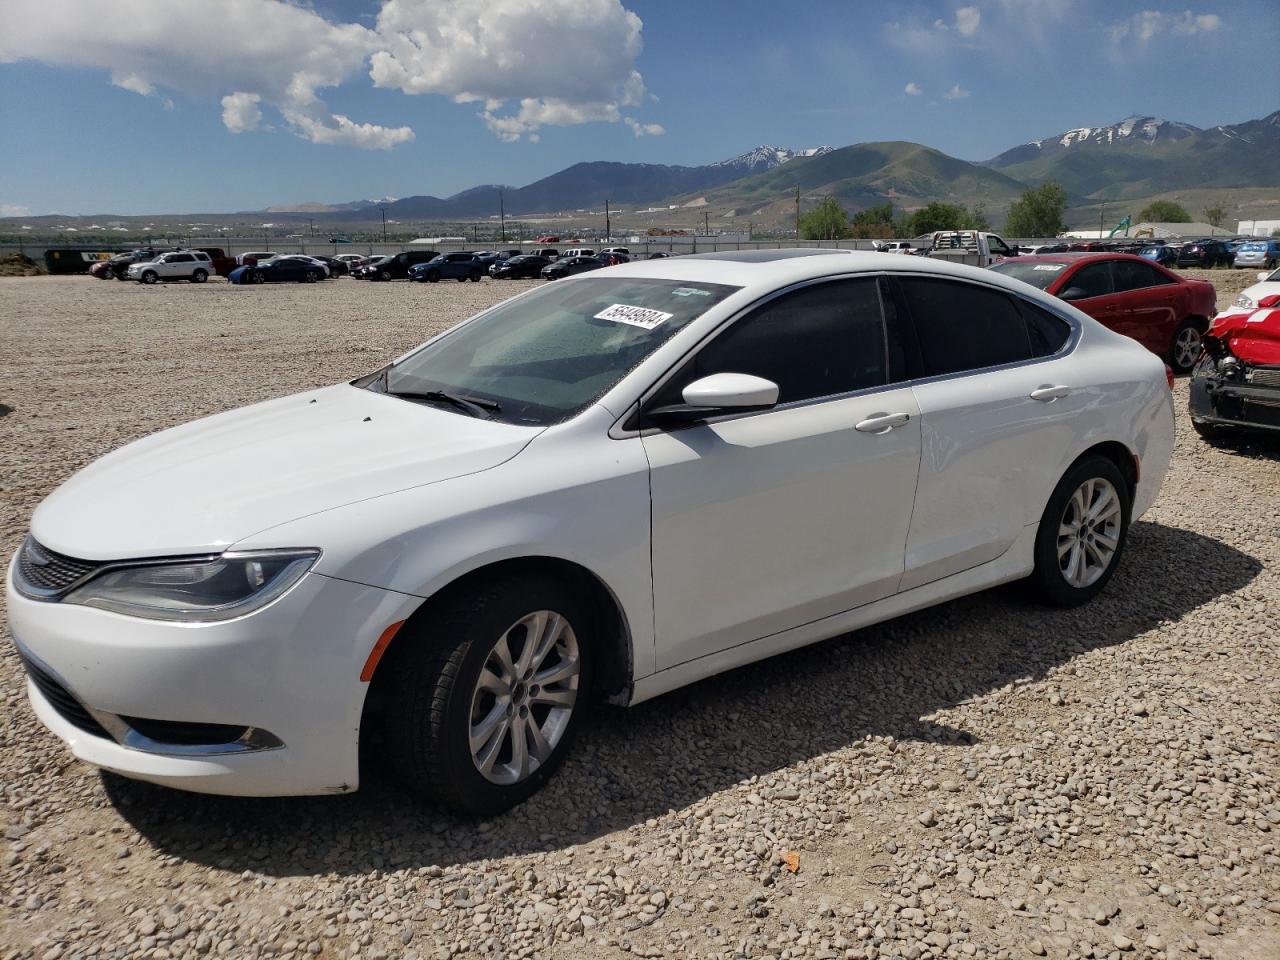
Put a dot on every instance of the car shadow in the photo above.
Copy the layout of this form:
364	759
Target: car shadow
630	766
1253	444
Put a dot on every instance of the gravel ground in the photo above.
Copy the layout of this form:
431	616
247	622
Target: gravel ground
984	779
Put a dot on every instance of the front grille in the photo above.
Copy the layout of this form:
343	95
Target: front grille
1265	377
68	707
51	573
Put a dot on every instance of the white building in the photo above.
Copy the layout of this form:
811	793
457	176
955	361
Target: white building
1257	228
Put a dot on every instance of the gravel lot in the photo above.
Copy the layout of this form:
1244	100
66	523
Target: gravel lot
984	779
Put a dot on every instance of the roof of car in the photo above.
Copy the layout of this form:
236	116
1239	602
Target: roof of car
1075	256
763	256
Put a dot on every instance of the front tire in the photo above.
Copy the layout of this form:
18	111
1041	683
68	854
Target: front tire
487	694
310	277
474	276
1186	346
150	277
433	276
1082	533
385	275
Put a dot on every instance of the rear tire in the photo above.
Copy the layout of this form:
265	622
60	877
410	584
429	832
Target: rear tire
453	705
1186	346
1082	533
475	276
259	277
199	276
433	276
309	277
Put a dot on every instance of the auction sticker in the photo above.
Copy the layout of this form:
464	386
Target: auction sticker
1052	267
645	317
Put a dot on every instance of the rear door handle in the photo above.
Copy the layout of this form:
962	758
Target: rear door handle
1049	393
881	422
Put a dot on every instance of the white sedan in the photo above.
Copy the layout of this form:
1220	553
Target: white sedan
1268	285
603	488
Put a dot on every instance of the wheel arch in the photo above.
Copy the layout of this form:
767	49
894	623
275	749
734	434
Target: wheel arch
1123	457
614	670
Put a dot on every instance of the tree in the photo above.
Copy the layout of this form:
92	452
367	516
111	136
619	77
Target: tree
1164	211
1215	214
826	221
975	218
1038	212
874	223
938	216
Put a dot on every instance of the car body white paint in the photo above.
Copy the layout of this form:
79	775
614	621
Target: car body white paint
721	543
1268	285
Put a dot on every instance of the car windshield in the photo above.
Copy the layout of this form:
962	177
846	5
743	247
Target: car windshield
1150	251
1251	247
544	357
1037	274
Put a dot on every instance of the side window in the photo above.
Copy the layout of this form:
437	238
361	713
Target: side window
1094	279
815	342
1155	278
963	326
182	258
1048	333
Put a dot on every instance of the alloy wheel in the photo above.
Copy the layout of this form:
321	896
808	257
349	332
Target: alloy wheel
524	697
1186	347
1089	532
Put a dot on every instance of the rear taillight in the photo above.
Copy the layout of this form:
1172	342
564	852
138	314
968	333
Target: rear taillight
1168	375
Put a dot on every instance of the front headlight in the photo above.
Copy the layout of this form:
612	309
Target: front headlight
1243	301
197	591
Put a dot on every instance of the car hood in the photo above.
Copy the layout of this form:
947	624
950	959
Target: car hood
1253	336
203	486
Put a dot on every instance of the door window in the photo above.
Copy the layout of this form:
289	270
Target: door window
1048	333
1131	275
962	326
1094	279
815	342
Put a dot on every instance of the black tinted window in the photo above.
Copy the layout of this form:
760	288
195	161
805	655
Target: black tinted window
1048	333
1131	275
815	342
1094	280
962	326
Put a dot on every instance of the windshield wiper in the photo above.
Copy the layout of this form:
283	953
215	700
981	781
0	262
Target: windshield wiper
474	406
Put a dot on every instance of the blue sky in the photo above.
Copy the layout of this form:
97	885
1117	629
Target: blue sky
247	103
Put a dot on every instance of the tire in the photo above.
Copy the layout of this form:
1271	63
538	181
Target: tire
200	276
150	276
385	275
309	277
1186	346
475	276
435	695
1097	478
258	277
433	276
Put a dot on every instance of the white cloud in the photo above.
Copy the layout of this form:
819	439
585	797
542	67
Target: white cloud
529	63
644	129
240	112
913	89
14	210
967	20
1145	26
955	93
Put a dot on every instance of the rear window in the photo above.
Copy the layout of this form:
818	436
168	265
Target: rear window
963	326
1039	275
1251	247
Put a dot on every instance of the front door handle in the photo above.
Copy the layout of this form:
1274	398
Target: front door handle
1049	393
881	422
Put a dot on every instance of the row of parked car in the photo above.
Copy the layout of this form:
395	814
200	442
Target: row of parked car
1204	252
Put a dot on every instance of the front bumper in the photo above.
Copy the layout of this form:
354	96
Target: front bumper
289	671
1229	403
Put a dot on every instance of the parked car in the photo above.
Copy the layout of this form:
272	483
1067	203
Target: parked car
304	258
450	266
1162	254
1043	248
457	553
249	258
658	255
1250	297
119	264
896	246
352	260
222	263
578	252
396	266
336	267
610	259
567	266
547	238
965	245
1258	253
192	265
1236	384
1163	311
1204	253
279	270
101	270
551	253
523	267
622	251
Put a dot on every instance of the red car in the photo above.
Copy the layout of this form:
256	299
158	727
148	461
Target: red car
1163	311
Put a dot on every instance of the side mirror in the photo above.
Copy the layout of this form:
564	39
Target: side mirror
719	393
1074	293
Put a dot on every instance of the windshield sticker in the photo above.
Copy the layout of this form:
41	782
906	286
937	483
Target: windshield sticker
690	292
1053	267
636	316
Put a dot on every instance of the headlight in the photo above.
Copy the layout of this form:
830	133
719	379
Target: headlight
197	591
1243	301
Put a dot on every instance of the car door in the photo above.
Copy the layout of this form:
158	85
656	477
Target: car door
764	521
998	399
1095	293
1147	304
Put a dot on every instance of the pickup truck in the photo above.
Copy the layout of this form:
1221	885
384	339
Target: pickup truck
193	265
222	264
970	246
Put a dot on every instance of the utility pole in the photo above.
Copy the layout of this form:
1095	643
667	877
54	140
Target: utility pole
797	214
502	215
312	222
608	229
384	223
750	229
1102	212
706	224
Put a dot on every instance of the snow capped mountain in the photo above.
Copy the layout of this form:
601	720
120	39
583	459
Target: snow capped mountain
1149	129
767	157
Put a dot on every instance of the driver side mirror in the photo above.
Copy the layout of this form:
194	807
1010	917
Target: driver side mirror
1074	293
716	394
